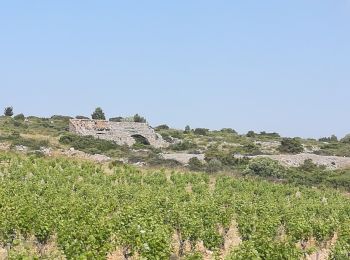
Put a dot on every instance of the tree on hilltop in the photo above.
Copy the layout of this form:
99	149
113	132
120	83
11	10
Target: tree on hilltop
8	111
98	114
139	119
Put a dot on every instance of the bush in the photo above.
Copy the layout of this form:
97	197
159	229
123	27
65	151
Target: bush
272	135
214	165
162	127
201	131
265	167
139	119
195	164
308	166
98	114
60	117
82	117
251	134
19	117
252	149
228	130
8	111
33	144
346	139
116	119
182	146
291	145
88	144
333	138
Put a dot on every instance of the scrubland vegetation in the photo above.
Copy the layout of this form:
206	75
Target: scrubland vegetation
229	205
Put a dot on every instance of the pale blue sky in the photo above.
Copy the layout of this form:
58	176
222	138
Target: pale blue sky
264	65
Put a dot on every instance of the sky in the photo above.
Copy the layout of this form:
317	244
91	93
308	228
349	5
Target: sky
272	65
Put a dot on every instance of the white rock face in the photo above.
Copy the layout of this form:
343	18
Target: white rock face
295	160
183	158
119	132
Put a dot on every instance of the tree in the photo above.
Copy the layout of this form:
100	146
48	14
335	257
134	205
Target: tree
187	129
139	119
8	111
291	145
98	114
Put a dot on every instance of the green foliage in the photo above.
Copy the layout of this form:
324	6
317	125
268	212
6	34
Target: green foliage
195	164
333	138
88	144
308	166
227	158
187	129
272	135
116	119
291	145
183	146
335	149
16	139
346	139
162	127
214	165
139	119
89	213
8	111
19	117
98	114
201	131
251	134
265	167
82	117
228	131
60	117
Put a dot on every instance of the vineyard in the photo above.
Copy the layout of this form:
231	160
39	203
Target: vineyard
66	209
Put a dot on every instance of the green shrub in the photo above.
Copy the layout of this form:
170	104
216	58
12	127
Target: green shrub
162	127
82	117
116	119
139	119
195	164
265	167
308	166
333	138
250	134
33	144
214	165
346	139
19	117
228	130
291	145
182	146
201	131
60	117
88	144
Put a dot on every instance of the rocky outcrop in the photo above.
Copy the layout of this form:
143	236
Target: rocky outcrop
119	132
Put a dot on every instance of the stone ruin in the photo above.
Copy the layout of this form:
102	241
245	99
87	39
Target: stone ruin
119	132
